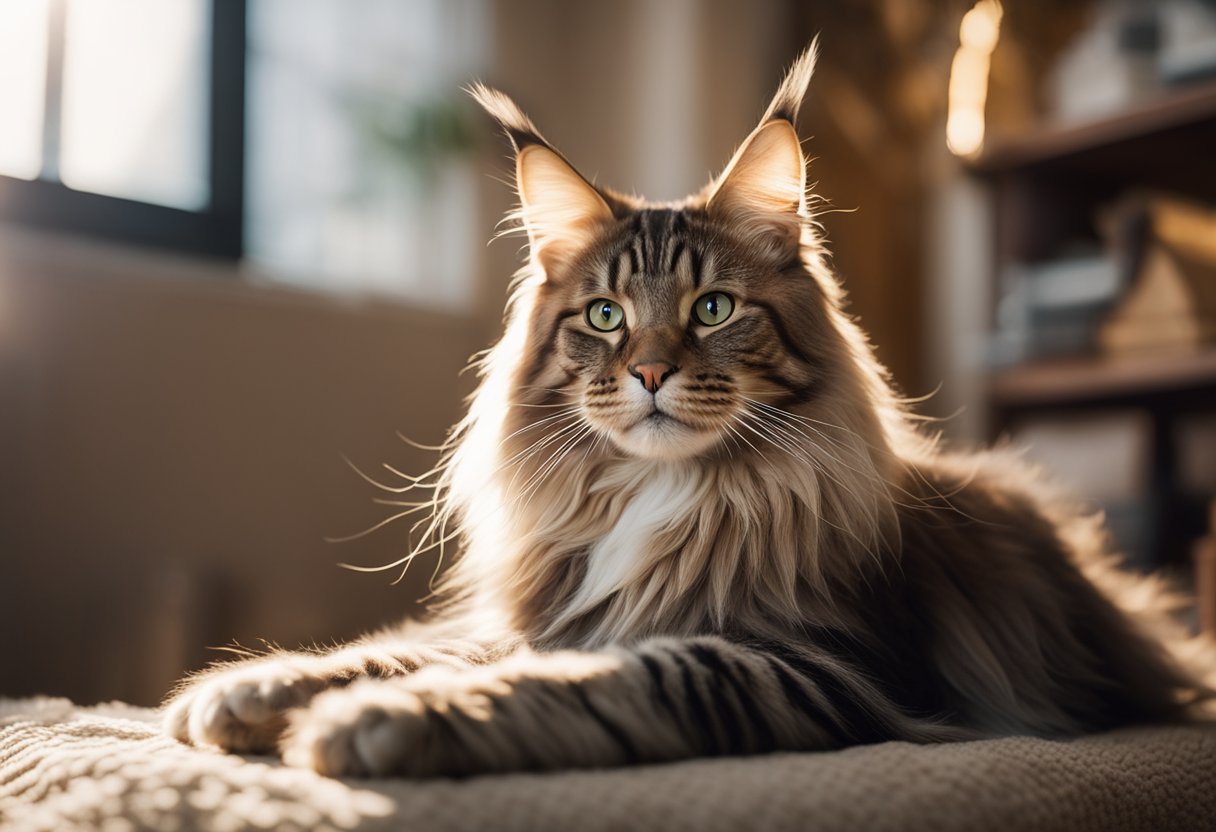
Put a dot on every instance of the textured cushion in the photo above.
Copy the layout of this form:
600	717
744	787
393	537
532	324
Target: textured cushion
63	767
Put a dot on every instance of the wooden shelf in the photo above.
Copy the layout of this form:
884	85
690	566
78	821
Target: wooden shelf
1171	111
1163	143
1100	378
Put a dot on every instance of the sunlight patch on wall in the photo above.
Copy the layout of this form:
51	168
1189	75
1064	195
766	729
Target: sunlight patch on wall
360	146
23	46
978	35
135	100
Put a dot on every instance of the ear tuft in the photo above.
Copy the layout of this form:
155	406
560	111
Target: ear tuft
561	211
788	99
762	192
513	120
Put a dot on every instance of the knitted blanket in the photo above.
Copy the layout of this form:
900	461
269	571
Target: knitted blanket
108	767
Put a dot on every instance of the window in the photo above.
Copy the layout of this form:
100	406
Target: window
125	118
362	174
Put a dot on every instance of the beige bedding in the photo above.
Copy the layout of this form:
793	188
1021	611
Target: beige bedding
63	767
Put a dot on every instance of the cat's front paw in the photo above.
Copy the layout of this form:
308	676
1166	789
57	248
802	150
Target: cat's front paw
243	708
372	729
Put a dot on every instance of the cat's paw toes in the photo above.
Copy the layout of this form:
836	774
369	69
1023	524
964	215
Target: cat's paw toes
243	709
363	731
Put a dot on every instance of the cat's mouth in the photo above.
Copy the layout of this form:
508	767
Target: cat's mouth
657	417
653	431
660	435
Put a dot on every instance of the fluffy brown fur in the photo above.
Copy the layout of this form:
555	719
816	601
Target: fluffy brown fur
706	525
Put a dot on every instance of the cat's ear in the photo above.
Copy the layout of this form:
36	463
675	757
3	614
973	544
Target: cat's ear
762	192
561	210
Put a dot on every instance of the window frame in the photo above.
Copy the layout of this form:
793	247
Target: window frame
217	229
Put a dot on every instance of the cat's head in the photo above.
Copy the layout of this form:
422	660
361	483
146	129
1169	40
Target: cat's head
663	326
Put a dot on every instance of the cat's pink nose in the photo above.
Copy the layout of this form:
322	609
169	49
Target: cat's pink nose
652	374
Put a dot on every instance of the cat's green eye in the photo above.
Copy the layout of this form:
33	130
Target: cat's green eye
605	315
713	308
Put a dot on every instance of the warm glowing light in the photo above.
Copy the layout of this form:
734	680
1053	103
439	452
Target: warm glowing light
965	131
981	26
23	44
978	35
134	100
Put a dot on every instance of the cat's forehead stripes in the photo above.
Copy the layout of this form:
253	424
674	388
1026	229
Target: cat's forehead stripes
656	245
654	234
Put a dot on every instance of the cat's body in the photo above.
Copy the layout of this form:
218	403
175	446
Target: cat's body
695	520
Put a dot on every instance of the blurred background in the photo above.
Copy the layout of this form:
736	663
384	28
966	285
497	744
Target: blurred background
241	242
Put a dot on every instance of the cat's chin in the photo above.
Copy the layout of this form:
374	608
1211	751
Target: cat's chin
660	436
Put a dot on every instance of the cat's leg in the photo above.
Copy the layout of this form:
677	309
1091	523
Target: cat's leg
665	699
242	705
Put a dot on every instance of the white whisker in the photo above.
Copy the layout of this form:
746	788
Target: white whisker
391	519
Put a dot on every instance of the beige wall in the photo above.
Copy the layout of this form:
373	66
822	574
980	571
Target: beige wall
171	443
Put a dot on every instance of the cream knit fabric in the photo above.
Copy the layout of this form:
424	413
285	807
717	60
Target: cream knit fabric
63	767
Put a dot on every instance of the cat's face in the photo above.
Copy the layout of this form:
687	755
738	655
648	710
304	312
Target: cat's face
663	327
667	328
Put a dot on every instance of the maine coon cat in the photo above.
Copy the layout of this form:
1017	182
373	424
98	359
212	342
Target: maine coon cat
695	520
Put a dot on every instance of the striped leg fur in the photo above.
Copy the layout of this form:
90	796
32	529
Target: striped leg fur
242	705
665	699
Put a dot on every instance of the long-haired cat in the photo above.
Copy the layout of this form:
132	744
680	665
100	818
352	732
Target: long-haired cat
694	520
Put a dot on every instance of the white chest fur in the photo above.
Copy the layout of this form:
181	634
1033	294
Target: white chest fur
663	496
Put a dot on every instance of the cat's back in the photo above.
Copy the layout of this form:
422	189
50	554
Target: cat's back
1012	591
